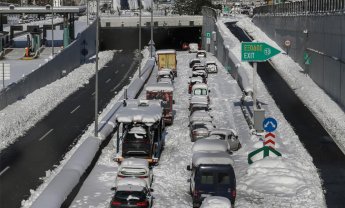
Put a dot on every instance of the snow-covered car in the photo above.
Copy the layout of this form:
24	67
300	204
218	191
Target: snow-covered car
197	107
193	47
200	129
197	67
193	62
201	54
193	81
201	101
211	67
200	89
230	136
200	115
200	73
216	202
131	192
135	168
210	144
212	174
165	75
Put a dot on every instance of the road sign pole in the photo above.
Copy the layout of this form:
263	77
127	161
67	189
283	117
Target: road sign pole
3	75
254	84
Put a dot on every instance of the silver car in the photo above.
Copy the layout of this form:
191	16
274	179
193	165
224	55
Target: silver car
230	136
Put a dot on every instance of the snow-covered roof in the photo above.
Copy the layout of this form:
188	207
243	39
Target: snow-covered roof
199	100
128	187
200	115
140	111
216	202
207	124
223	131
195	59
166	87
210	145
132	181
199	72
193	44
134	162
196	79
165	80
207	158
165	51
164	71
199	85
201	51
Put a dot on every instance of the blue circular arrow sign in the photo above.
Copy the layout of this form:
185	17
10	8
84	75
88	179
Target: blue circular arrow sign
270	124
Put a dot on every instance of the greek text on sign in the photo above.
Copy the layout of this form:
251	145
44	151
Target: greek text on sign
256	51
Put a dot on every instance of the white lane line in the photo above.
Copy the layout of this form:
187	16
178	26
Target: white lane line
108	80
4	170
75	109
46	134
117	71
93	93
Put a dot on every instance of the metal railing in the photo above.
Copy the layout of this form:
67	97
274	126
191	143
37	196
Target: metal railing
303	7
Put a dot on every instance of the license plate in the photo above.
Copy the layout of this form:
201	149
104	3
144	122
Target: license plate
205	195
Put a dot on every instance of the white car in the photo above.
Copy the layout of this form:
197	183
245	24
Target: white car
135	168
211	67
230	136
201	54
193	47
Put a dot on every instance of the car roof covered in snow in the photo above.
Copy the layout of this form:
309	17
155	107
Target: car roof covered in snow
208	158
210	144
134	162
137	130
199	100
223	131
200	85
199	72
166	87
216	202
201	51
200	115
140	111
164	71
196	79
210	62
132	181
165	51
207	124
195	59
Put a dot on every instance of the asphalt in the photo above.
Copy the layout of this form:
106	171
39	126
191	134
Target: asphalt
27	160
327	157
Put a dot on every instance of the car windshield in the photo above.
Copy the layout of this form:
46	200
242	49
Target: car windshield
199	126
129	196
222	136
135	137
200	92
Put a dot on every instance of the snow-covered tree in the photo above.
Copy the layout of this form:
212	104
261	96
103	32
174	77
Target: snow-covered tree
190	7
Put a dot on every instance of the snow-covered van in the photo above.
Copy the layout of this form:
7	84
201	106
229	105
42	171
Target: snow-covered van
135	168
193	47
192	81
141	124
167	59
210	144
163	92
216	202
212	174
201	90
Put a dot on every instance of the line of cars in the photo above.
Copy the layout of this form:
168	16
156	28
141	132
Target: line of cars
212	180
140	140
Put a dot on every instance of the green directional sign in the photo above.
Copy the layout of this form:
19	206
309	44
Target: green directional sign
226	9
307	58
262	153
257	52
208	34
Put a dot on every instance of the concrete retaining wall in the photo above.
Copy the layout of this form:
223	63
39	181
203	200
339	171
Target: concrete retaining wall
325	34
63	63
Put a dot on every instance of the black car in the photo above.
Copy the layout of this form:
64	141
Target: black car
131	196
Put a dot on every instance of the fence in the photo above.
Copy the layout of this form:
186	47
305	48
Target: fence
303	7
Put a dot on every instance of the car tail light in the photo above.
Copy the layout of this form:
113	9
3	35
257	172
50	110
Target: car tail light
142	204
195	193
115	203
233	193
142	177
120	176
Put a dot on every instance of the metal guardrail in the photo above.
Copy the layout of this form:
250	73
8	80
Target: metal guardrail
303	7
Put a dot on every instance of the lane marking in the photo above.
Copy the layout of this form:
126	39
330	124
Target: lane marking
108	80
93	93
75	109
4	170
117	71
46	134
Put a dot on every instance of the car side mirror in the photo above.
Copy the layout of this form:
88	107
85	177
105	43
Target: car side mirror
209	90
188	180
151	190
189	168
173	101
113	188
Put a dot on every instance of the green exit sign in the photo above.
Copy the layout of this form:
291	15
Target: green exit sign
257	52
208	34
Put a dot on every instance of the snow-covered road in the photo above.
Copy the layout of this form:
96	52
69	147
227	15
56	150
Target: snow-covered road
290	181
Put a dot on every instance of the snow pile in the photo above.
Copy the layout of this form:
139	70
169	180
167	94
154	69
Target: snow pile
329	114
19	117
216	202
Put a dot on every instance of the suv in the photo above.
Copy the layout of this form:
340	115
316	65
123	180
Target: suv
212	174
131	192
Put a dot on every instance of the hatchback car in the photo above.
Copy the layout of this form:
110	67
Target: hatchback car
131	193
135	168
230	136
211	67
200	129
193	62
201	54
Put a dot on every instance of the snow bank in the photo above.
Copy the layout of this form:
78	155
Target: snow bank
216	202
19	117
328	112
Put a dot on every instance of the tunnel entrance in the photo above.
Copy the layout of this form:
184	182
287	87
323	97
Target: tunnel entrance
164	38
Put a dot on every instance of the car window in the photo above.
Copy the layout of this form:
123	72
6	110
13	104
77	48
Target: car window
133	171
220	135
223	178
198	126
207	178
200	92
130	196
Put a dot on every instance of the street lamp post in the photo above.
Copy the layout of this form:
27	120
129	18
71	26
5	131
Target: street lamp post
87	12
139	38
151	49
52	28
96	70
